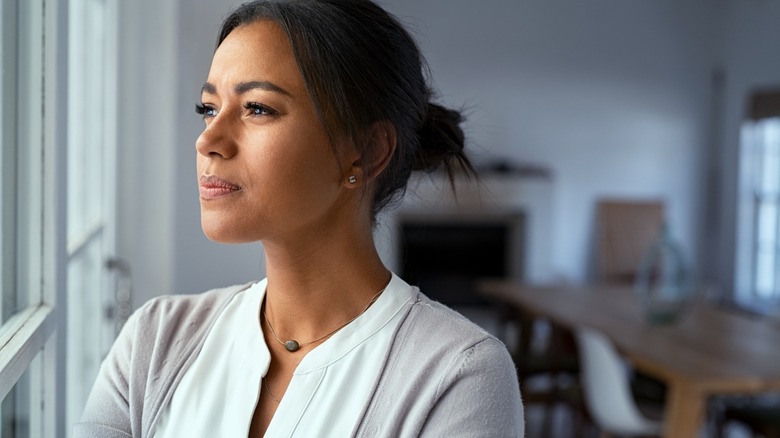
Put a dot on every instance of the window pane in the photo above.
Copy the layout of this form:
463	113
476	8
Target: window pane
770	172
8	98
767	226
21	49
21	187
91	287
16	411
29	147
21	214
765	158
86	131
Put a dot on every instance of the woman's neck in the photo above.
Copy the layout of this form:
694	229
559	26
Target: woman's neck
313	289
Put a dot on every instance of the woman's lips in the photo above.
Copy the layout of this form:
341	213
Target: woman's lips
213	187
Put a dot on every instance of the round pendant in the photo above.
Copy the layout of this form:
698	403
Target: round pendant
291	346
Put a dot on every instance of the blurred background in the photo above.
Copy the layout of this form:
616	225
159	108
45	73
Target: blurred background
641	100
570	105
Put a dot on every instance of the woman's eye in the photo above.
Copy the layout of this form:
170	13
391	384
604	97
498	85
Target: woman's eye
207	111
258	109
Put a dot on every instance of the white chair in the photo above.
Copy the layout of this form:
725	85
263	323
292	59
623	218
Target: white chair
606	386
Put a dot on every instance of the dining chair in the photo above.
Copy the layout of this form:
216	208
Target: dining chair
625	229
760	415
548	372
606	387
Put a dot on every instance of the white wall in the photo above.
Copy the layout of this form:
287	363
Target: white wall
146	152
613	96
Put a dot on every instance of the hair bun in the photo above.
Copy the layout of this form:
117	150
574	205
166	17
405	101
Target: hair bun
441	140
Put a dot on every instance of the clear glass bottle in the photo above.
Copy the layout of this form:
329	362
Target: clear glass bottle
664	285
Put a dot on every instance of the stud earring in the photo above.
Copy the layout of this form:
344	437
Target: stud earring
352	179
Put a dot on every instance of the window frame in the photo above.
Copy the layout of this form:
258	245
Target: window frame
39	328
34	342
763	106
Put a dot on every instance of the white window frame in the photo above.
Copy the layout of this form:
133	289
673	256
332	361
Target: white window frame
39	329
34	341
93	306
752	193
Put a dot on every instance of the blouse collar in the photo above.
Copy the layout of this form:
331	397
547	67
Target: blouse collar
394	298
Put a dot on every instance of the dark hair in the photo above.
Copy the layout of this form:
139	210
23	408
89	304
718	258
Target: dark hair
361	66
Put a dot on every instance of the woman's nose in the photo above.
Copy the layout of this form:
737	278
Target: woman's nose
216	140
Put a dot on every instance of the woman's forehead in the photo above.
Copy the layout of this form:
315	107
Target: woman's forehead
256	52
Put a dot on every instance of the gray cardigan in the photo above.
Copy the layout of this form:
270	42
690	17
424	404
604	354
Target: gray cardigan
442	376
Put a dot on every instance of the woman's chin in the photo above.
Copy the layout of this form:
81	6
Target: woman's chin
223	232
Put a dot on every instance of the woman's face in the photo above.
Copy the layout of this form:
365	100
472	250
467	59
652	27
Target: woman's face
266	167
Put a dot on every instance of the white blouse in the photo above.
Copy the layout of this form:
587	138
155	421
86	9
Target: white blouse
327	394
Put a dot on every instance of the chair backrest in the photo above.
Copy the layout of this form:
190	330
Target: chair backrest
624	231
606	387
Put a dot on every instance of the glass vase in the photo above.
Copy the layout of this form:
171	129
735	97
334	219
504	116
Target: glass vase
664	285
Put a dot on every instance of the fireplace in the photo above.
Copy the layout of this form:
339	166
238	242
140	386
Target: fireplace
446	256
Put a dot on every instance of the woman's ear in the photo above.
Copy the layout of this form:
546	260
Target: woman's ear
371	160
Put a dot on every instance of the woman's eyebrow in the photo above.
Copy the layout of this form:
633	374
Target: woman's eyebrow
243	87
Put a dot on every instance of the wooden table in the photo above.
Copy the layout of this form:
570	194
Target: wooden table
710	351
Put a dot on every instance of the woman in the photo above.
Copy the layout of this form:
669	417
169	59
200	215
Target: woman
316	112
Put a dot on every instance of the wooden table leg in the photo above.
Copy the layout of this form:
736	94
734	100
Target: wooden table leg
684	411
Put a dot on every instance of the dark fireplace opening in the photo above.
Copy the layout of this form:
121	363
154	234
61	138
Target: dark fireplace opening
446	258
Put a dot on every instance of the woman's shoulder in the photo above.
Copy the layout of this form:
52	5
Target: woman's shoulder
147	359
444	374
188	305
445	326
168	322
434	339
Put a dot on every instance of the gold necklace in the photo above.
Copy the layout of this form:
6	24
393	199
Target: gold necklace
292	345
268	390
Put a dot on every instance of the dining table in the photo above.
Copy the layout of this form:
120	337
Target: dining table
708	351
